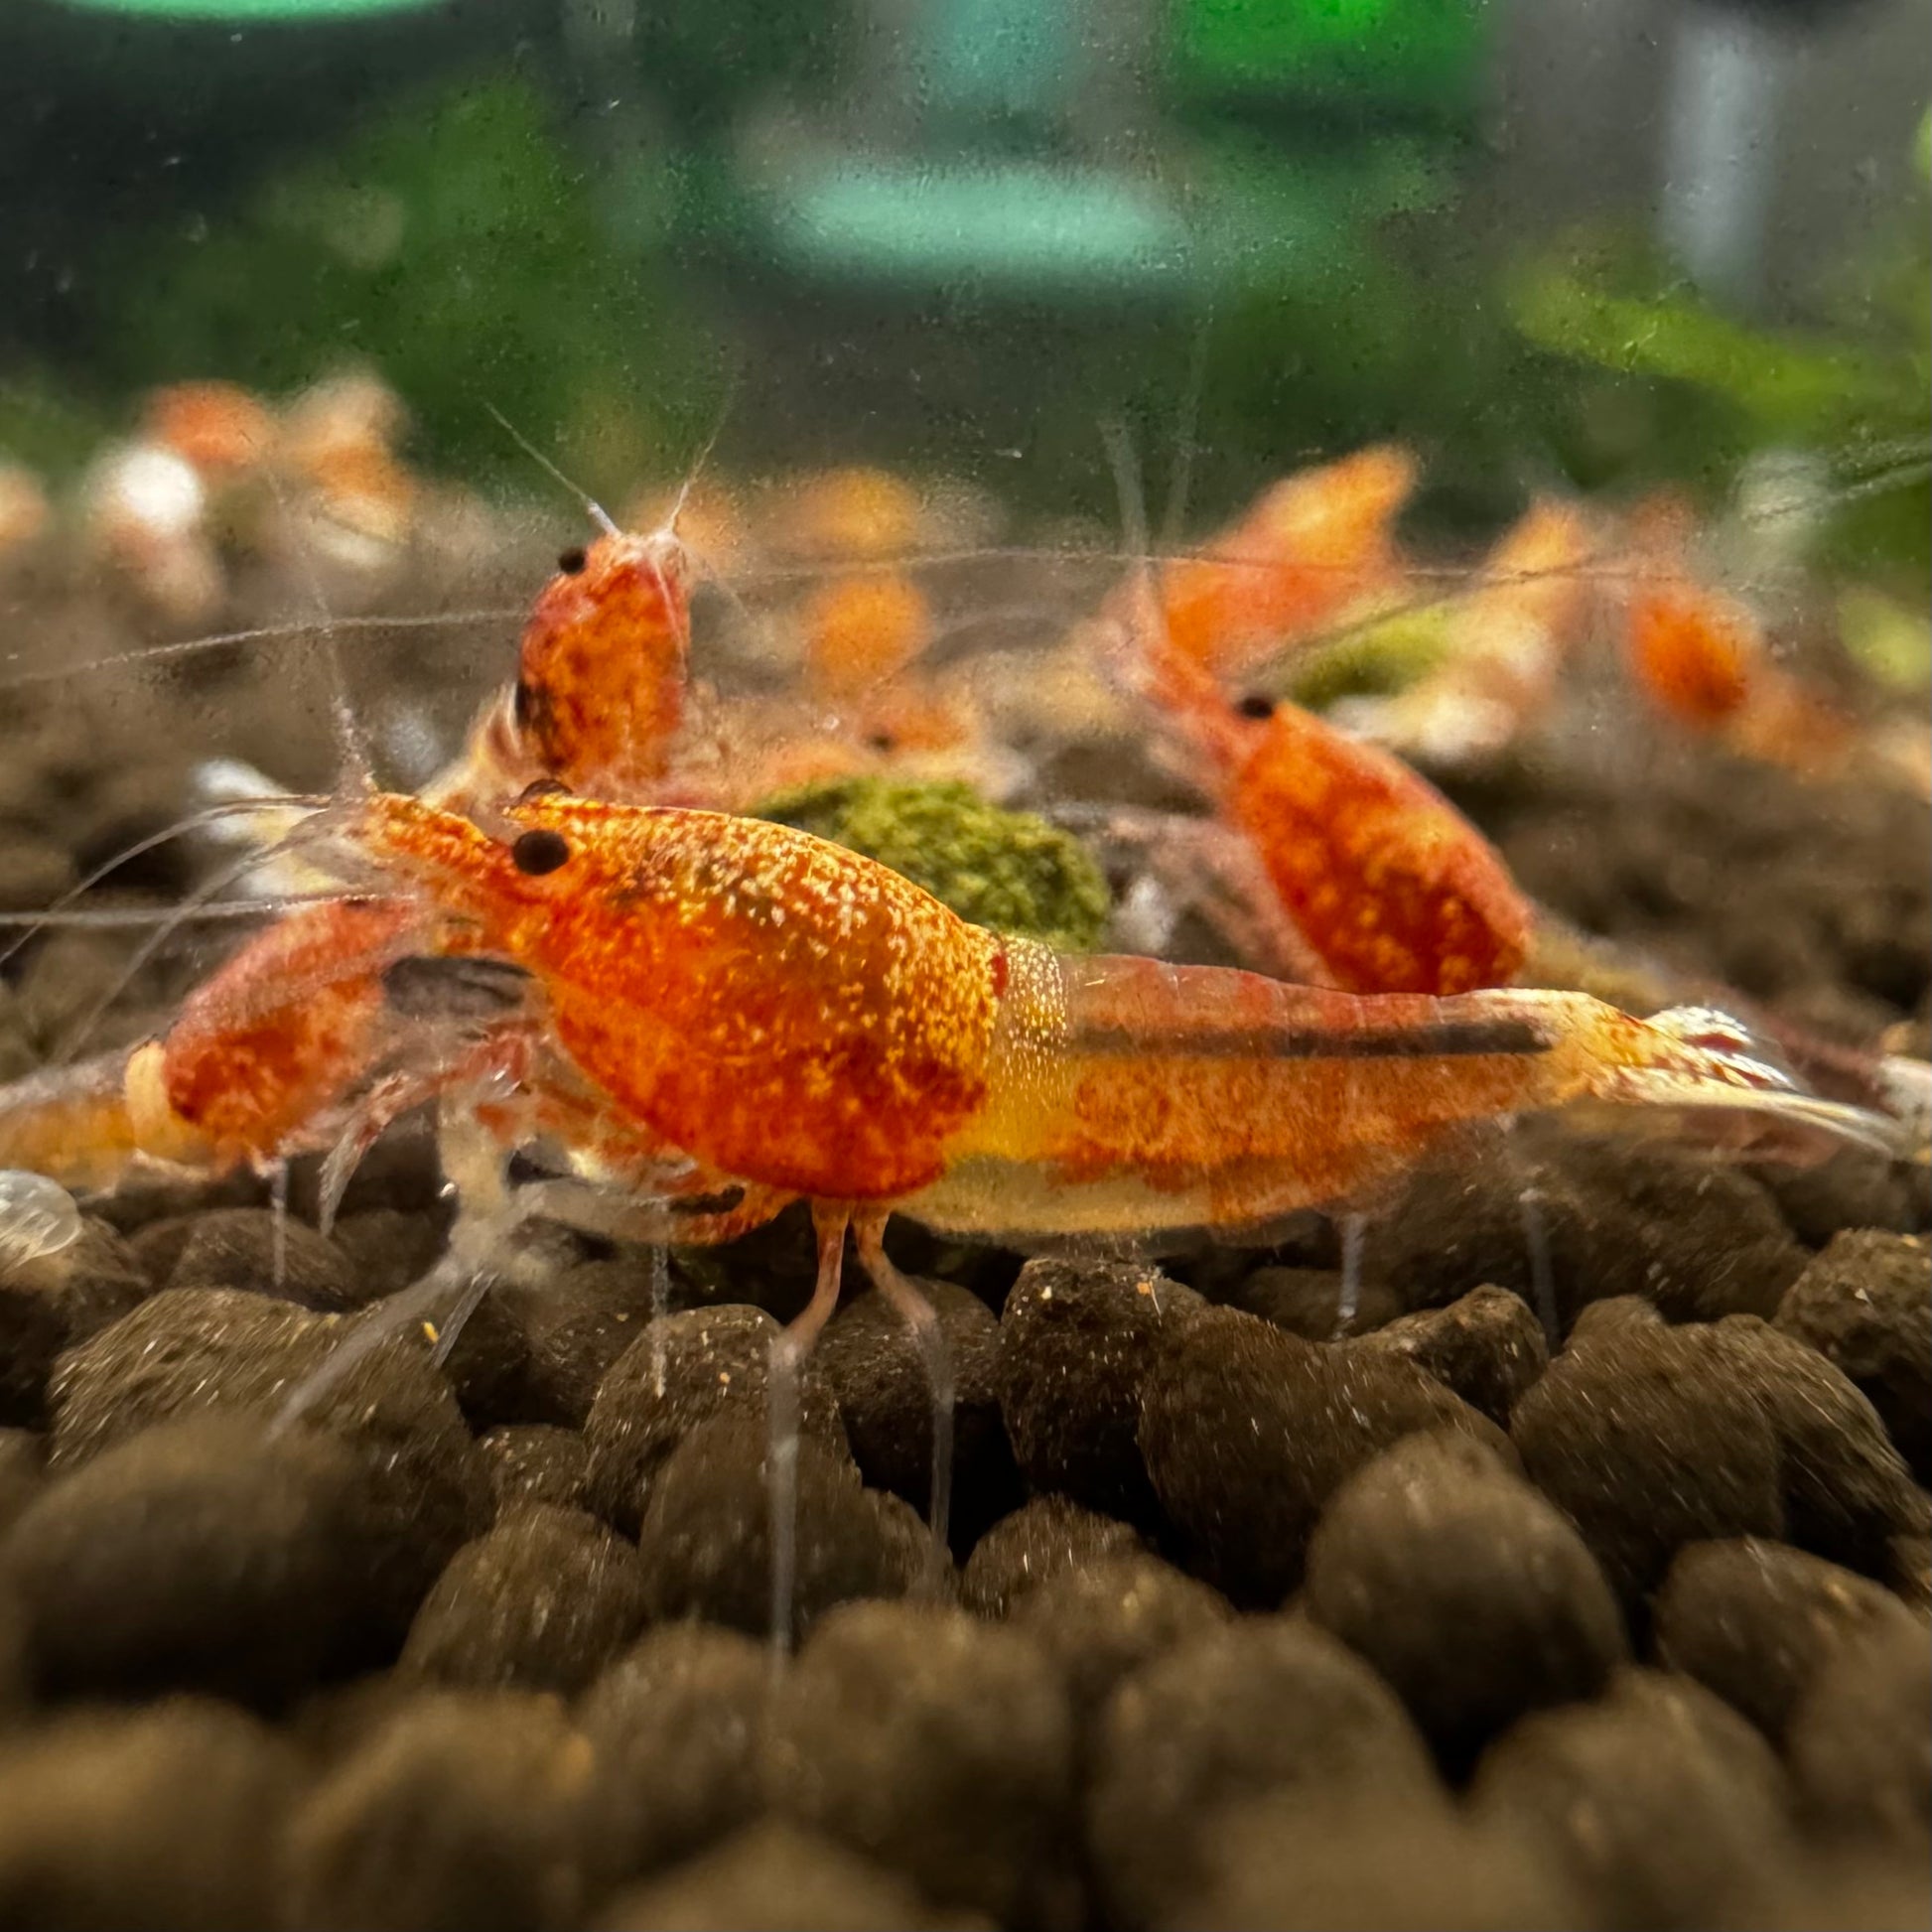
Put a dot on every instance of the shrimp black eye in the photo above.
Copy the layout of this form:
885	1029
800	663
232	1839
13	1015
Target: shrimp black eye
1257	704
880	741
521	702
572	561
538	852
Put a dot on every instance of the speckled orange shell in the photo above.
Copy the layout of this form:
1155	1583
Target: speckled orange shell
264	1047
600	689
780	1009
1693	651
1391	887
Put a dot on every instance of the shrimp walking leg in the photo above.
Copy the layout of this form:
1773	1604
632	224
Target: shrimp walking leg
675	1218
1206	867
788	1352
919	1315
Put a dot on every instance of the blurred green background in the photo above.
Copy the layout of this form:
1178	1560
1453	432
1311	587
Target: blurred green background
960	233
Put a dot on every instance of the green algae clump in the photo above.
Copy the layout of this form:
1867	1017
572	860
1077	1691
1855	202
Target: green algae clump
1374	659
1011	871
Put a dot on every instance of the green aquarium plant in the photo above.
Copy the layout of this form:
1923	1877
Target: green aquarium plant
1851	383
255	12
455	244
1010	870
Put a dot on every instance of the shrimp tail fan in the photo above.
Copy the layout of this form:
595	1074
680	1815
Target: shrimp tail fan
1733	1093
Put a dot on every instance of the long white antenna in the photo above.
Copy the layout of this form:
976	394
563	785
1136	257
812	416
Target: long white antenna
358	769
1187	429
696	471
599	514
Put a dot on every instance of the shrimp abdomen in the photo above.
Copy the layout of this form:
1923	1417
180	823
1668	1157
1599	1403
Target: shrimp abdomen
1127	1096
1125	1093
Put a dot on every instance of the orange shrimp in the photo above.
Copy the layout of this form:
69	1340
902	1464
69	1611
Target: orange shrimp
854	513
219	426
1350	870
604	702
602	671
792	1016
1305	551
1344	867
1692	650
1701	656
800	1017
863	630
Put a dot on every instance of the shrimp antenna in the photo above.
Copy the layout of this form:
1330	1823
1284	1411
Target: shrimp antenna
1133	502
195	822
124	919
725	407
358	770
1184	432
189	647
599	514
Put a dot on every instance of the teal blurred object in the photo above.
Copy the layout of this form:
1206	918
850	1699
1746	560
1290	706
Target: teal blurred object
993	59
989	180
256	12
1047	226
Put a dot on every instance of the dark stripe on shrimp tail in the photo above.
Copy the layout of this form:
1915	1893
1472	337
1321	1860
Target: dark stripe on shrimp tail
1454	1039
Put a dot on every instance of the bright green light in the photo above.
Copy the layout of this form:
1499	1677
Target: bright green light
250	10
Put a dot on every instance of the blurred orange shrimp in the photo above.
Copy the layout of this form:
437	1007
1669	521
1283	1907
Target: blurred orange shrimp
1307	550
1342	866
1507	641
1700	655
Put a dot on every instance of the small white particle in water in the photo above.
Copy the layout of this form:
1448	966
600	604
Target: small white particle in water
36	1218
159	488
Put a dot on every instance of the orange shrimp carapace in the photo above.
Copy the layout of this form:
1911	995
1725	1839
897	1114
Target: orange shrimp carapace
1692	650
1367	879
1701	656
856	514
862	630
1392	889
219	426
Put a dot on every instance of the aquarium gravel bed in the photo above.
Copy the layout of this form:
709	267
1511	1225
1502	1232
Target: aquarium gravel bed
1581	1577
